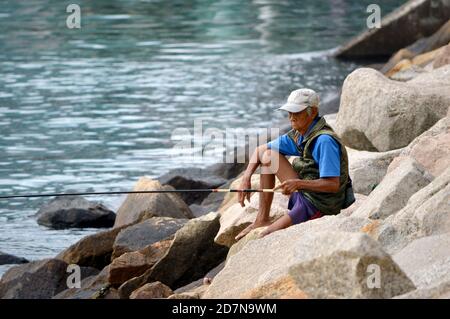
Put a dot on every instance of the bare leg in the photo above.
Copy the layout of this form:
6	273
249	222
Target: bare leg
281	223
273	164
265	199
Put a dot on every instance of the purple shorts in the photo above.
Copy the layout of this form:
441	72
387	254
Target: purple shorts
301	210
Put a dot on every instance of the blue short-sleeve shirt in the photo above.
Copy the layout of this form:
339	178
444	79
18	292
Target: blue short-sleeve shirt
326	152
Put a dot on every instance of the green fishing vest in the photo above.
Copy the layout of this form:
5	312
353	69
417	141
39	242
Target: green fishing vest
307	169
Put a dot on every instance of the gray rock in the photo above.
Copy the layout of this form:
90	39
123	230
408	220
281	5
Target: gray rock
378	114
41	279
427	44
440	76
136	263
324	264
236	218
74	212
139	207
330	104
191	255
192	178
431	149
7	259
408	74
92	287
325	223
394	191
93	250
428	16
151	291
227	170
367	169
200	282
359	200
145	233
331	120
443	58
426	261
211	203
427	213
201	210
441	291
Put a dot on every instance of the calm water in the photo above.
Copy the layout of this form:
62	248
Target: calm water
94	108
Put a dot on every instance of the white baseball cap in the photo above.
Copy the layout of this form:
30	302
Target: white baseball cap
300	99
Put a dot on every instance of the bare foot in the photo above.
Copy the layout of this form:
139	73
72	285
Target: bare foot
250	228
264	233
206	281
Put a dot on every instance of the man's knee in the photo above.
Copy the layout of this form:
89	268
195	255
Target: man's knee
269	156
270	161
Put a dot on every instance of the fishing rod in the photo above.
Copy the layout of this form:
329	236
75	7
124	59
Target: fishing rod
206	190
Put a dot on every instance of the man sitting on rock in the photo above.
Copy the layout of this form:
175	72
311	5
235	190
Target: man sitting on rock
317	179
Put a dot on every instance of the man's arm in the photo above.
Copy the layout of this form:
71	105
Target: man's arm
326	153
255	161
325	185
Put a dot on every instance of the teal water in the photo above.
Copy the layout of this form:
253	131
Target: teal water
93	109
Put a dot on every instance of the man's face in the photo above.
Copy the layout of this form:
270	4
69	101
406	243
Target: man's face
299	121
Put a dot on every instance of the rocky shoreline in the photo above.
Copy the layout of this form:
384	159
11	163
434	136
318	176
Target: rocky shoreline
395	123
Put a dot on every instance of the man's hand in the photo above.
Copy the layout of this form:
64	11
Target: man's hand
289	186
245	184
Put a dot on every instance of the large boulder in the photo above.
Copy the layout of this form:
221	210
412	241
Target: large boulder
441	291
92	287
292	264
195	293
237	247
367	169
7	259
229	170
418	64
236	218
190	256
331	118
443	58
145	233
41	279
139	207
93	250
426	260
151	291
192	178
427	44
378	114
359	200
425	214
408	74
74	212
438	77
431	149
195	289
134	264
394	191
413	20
326	223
